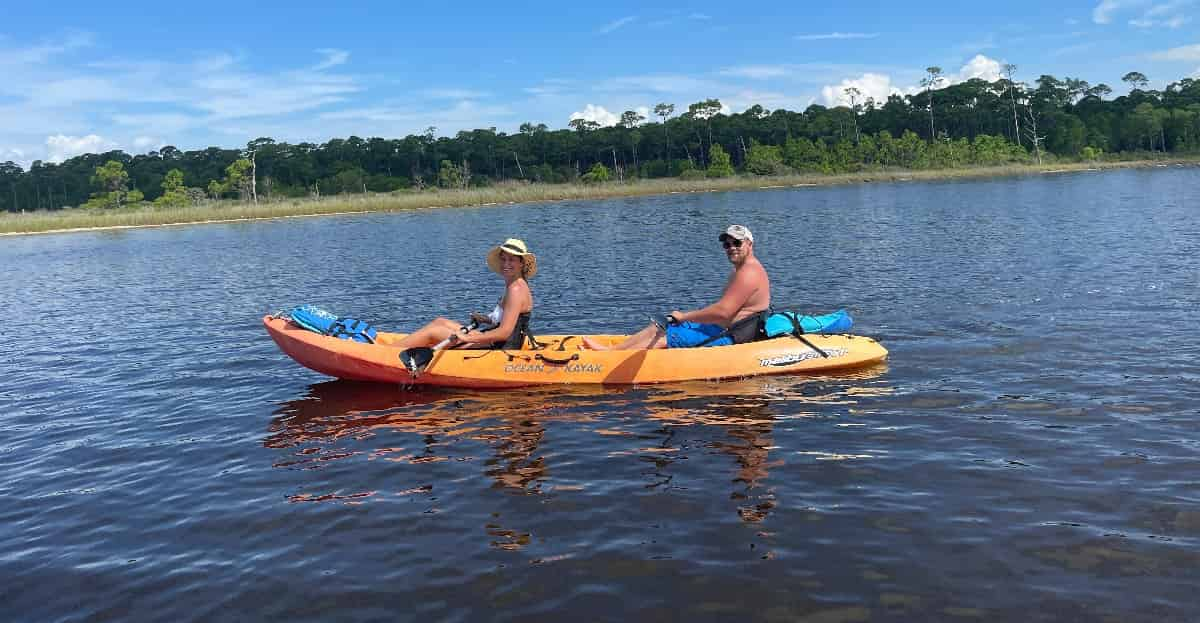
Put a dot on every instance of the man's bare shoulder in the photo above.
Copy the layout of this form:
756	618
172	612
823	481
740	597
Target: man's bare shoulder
752	270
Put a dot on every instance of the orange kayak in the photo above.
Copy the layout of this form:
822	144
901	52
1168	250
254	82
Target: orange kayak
562	361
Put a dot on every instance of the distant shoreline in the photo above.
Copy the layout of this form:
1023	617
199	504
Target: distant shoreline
76	220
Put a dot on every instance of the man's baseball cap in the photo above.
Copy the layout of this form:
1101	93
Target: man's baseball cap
740	232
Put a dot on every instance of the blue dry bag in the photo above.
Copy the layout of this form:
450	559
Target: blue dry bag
325	322
792	323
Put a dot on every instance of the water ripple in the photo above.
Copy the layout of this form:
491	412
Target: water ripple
1027	453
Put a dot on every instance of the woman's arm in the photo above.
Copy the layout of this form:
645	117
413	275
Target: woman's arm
515	298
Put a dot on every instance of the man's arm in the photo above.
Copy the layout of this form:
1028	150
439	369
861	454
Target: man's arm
737	293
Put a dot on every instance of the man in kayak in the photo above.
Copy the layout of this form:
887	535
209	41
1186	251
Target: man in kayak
733	319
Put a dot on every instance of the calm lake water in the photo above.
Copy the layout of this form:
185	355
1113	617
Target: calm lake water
1031	450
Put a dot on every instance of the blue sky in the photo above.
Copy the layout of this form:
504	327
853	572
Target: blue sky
94	76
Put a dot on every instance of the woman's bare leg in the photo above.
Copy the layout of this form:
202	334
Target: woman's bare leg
650	337
437	330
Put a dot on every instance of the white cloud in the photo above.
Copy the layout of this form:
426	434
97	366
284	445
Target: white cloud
874	86
980	67
659	83
987	43
1102	14
13	155
740	100
756	72
165	124
44	52
543	90
799	73
837	35
1172	22
615	24
146	143
1072	49
1169	14
454	94
85	104
549	87
60	147
333	58
1182	53
879	86
81	89
597	114
396	119
700	16
237	95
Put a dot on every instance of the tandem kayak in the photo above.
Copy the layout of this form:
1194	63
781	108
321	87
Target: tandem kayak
562	361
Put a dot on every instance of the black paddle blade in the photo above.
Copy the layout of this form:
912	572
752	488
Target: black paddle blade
415	359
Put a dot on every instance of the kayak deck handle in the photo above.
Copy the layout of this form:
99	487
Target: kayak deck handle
552	360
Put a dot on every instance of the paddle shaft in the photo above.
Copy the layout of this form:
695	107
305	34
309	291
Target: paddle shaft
417	359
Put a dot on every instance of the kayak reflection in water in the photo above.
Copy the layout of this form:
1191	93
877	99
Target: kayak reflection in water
509	321
733	319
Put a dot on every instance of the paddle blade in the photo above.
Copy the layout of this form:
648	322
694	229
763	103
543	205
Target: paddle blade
416	359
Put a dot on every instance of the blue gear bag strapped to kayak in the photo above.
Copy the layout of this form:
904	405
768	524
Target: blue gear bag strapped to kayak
792	323
325	322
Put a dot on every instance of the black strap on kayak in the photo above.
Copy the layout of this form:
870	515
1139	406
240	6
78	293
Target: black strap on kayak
733	328
798	333
349	327
812	346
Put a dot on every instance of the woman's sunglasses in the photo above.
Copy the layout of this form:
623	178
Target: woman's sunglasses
731	242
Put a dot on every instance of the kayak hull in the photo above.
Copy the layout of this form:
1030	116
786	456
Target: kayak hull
563	362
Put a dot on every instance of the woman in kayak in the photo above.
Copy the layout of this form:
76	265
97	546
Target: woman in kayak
509	321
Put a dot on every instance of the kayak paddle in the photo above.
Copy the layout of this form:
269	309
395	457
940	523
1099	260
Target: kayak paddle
417	359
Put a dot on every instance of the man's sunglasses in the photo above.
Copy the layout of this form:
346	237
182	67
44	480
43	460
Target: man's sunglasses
731	242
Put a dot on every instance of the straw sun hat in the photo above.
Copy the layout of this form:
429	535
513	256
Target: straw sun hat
513	246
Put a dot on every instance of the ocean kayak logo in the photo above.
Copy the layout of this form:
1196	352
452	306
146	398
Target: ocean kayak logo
791	358
570	368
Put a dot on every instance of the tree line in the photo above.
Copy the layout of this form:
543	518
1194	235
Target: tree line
975	122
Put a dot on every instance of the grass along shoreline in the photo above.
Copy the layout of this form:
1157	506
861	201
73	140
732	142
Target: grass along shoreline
75	219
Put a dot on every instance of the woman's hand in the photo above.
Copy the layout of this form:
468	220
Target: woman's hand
463	336
481	320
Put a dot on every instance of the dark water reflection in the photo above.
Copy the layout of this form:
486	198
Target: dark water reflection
1028	453
345	421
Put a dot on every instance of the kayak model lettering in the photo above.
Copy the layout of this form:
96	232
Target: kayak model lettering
510	368
570	368
791	358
